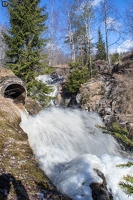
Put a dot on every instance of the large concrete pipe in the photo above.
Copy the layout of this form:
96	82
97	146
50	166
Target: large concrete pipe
12	87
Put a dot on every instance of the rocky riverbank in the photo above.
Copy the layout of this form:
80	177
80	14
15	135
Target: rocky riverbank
107	93
20	175
110	95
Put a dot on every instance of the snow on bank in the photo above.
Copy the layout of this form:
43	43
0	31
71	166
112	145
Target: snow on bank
75	178
69	146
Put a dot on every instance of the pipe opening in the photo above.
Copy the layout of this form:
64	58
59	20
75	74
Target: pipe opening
16	92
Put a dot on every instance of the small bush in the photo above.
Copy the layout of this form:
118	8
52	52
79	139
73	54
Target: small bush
114	58
77	77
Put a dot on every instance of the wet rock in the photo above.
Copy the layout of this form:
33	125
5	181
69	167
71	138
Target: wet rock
100	191
32	106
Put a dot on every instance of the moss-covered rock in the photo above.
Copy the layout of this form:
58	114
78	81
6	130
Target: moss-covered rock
20	175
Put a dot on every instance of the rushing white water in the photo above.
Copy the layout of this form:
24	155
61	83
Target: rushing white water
47	79
68	147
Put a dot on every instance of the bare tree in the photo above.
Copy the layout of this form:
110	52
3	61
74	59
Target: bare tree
88	18
3	46
57	56
55	49
51	32
129	18
70	33
111	24
79	15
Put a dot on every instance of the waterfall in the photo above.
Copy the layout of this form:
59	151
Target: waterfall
51	80
68	146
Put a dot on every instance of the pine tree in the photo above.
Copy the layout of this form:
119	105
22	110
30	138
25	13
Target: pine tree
101	52
27	23
25	44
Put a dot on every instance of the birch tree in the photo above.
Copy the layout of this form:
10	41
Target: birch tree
88	19
70	32
111	24
80	17
53	30
3	46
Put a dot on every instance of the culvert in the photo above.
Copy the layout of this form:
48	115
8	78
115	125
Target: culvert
14	88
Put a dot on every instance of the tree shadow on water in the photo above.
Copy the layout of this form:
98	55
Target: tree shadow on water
6	180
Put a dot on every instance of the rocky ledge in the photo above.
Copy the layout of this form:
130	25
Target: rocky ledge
111	95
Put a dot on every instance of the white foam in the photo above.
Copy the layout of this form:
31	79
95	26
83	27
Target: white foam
69	146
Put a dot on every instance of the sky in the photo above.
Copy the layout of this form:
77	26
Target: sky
123	44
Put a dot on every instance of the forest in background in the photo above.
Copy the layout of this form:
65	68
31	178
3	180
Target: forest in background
78	23
77	32
73	26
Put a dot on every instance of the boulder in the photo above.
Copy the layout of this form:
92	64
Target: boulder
99	190
32	106
9	112
110	96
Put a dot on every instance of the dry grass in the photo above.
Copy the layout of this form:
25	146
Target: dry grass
125	81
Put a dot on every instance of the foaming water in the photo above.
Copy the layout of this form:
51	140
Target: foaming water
59	136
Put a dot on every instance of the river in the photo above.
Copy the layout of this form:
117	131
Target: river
68	146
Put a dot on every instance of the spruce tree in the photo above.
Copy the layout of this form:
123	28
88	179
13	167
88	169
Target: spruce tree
101	52
24	41
78	76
